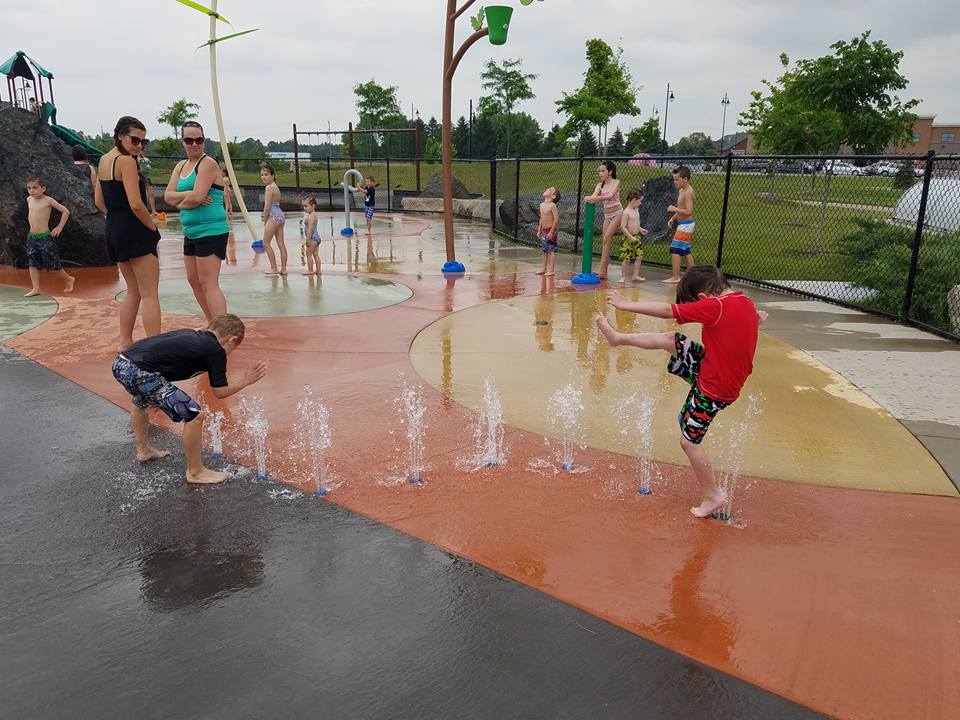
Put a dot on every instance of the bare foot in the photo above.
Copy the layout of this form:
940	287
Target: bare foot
550	274
710	505
623	282
282	272
639	279
602	277
309	273
540	272
32	293
206	477
68	286
151	453
270	272
612	336
672	281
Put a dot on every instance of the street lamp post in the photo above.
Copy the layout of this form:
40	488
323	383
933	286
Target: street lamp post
723	128
666	112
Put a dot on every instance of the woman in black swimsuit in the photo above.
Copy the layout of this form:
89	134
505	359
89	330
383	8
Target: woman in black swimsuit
131	233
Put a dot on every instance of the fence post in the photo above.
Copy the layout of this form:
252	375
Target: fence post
493	194
723	212
516	195
576	225
917	238
389	187
329	183
296	159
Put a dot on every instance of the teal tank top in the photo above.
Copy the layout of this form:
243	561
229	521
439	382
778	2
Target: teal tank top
203	220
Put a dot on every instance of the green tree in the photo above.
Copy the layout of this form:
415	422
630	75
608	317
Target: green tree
527	136
555	142
905	176
178	113
484	137
616	146
695	144
508	85
645	138
587	143
607	90
375	103
847	97
461	138
431	130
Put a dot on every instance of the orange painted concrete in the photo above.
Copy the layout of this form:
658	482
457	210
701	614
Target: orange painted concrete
845	601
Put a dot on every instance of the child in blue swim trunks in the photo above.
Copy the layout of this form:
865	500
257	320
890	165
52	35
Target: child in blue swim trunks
148	368
547	230
42	250
369	190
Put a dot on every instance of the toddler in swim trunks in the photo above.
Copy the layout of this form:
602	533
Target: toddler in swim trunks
148	368
716	370
631	249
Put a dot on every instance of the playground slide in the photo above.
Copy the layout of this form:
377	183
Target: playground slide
71	138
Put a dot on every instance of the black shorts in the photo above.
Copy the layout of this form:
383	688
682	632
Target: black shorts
209	245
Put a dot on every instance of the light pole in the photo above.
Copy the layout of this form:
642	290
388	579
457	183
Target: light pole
666	112
723	128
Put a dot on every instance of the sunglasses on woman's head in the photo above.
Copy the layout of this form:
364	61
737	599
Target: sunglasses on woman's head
192	141
138	141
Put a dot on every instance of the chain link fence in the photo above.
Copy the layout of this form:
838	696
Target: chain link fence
880	234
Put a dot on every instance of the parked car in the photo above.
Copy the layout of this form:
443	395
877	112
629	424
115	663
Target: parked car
750	164
841	167
883	167
791	167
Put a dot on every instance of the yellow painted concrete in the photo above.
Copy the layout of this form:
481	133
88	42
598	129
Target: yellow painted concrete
814	426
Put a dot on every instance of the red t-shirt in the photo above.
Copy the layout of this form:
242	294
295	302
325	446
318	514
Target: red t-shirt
730	325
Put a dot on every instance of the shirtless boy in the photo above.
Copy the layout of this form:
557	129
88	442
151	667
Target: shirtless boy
683	218
631	249
547	230
42	251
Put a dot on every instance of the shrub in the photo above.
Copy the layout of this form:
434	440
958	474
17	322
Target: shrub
879	254
905	176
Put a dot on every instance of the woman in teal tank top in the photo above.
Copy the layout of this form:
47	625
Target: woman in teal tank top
195	189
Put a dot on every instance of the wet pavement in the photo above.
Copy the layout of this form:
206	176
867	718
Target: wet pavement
128	594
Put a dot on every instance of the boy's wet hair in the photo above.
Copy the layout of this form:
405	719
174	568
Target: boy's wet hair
556	194
226	326
634	195
123	127
683	171
311	200
269	168
79	154
706	279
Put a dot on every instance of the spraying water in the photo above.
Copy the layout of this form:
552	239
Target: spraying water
636	414
738	435
314	438
489	429
213	424
255	423
412	409
563	413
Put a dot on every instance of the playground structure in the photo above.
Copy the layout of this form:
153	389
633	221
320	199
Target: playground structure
347	229
21	66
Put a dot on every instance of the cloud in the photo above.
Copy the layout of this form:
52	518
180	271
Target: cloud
113	58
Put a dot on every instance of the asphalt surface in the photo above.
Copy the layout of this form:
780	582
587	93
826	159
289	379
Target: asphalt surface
124	593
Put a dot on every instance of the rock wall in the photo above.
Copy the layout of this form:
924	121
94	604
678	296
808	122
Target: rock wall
29	148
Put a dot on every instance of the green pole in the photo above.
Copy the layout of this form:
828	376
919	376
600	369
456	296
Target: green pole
586	276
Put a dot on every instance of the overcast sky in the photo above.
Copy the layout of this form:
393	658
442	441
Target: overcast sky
302	64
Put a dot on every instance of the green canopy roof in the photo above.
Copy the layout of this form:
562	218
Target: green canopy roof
17	66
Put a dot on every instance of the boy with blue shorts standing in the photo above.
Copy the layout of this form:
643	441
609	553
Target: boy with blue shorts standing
369	191
680	246
148	367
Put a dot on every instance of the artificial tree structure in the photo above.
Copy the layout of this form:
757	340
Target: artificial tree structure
492	22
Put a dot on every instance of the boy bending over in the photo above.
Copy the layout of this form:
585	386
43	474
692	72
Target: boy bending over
147	368
716	370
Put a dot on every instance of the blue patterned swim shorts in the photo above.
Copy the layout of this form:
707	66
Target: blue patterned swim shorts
150	388
368	212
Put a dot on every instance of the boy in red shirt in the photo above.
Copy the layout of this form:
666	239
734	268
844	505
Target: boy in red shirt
716	370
